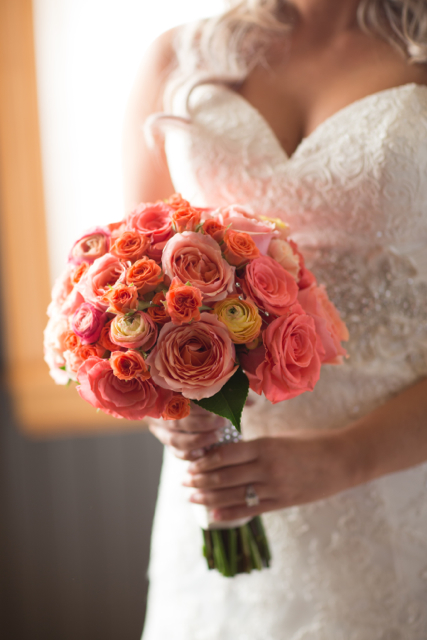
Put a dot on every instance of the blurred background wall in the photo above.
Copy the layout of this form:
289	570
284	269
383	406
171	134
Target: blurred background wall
77	491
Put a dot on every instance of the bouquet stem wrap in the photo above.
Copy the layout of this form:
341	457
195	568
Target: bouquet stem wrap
237	546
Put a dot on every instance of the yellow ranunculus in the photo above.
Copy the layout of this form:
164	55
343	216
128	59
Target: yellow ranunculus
241	317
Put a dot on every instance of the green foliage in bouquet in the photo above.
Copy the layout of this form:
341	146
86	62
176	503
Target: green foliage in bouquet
230	400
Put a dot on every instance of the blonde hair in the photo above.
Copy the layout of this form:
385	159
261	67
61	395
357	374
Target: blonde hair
225	48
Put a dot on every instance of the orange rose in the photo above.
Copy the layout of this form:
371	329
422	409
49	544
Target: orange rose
86	351
130	246
158	311
176	201
145	275
128	365
121	298
71	341
214	229
104	338
239	248
185	218
177	408
183	302
77	274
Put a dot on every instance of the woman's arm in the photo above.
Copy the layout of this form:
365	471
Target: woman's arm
303	467
146	175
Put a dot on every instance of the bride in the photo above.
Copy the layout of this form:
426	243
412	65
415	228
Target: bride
314	111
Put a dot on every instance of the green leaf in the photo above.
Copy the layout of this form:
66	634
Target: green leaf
230	400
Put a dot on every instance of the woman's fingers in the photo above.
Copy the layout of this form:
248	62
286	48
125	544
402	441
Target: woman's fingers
234	476
225	456
184	441
234	497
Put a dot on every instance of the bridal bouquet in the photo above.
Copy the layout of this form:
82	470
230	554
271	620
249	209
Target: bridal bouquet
177	304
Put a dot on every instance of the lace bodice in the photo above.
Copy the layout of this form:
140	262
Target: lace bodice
352	567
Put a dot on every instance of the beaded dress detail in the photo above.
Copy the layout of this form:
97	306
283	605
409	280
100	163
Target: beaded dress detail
354	566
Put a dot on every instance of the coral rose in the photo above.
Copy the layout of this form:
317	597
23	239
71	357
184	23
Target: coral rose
196	258
195	359
145	275
100	277
131	399
292	360
134	331
128	365
177	408
87	323
239	248
121	298
214	229
153	221
130	246
183	302
240	219
158	310
329	326
270	285
283	253
94	244
241	317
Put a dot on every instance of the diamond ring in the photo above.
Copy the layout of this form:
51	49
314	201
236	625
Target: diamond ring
251	497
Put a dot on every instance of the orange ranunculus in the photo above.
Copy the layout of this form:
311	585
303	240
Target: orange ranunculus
214	229
239	248
186	218
122	298
145	275
127	365
104	338
177	408
79	271
158	311
71	341
130	246
183	302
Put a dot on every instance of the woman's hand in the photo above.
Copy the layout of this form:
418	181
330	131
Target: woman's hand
284	471
188	437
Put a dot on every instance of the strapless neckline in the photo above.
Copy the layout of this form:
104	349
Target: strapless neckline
343	112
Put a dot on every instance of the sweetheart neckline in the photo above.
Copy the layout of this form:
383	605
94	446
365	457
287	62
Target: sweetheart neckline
327	121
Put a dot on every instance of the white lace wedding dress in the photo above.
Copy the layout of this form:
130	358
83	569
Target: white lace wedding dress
354	566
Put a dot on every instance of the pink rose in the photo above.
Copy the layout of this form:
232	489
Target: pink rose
99	278
195	359
153	221
196	258
92	245
292	359
87	323
133	331
270	285
240	219
331	329
130	399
